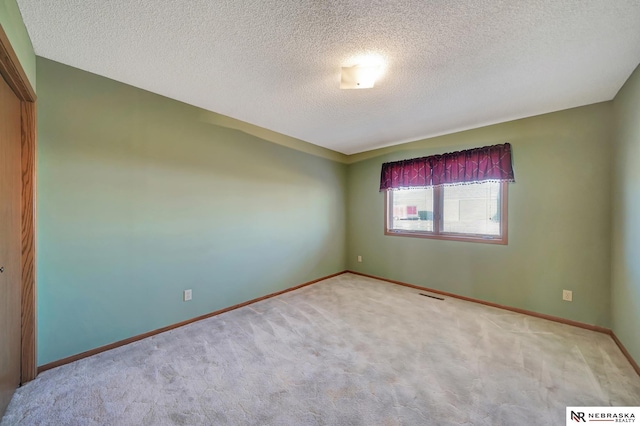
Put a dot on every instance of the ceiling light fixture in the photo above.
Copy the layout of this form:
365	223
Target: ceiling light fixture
359	77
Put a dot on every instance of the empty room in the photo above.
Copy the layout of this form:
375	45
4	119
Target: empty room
319	213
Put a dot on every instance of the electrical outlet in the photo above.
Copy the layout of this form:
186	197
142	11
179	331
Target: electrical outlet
567	295
360	259
186	295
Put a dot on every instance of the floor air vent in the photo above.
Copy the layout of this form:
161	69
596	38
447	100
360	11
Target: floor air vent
433	297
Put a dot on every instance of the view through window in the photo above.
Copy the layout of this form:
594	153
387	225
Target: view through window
459	212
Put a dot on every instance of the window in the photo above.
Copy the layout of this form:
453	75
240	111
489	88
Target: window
473	212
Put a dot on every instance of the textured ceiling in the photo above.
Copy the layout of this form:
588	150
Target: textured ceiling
449	65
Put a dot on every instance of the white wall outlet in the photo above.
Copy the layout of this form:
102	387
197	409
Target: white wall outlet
567	295
186	295
360	259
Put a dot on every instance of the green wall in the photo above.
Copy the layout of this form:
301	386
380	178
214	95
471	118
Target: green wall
559	219
140	198
625	306
11	21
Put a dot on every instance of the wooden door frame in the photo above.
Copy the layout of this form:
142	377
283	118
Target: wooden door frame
13	73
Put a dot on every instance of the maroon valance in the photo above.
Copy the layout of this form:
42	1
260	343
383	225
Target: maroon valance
489	163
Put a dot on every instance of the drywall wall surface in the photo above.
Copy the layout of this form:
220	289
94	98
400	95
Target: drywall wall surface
625	296
13	26
559	220
140	199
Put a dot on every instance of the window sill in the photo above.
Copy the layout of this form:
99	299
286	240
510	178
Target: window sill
449	237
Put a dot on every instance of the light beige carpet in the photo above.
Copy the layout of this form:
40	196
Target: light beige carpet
345	351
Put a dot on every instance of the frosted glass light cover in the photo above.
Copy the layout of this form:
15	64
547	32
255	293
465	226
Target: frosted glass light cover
358	77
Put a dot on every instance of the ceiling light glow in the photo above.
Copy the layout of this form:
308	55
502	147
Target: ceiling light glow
358	77
362	72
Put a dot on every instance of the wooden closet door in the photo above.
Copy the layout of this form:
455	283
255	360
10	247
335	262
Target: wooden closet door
10	244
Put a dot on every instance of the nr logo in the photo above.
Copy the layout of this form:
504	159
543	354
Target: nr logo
577	416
